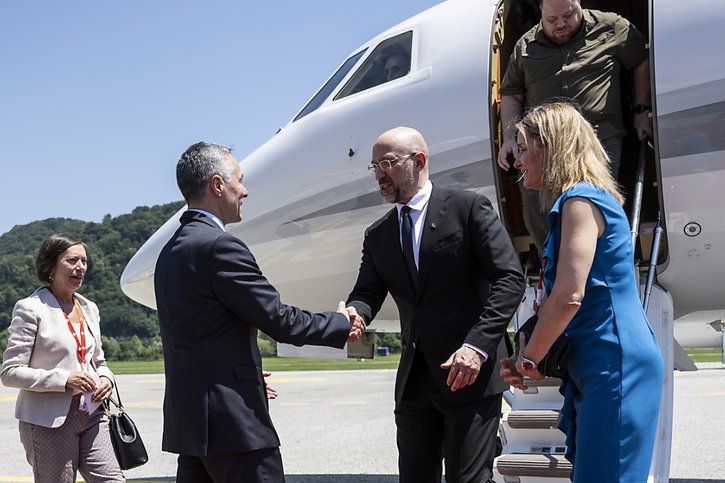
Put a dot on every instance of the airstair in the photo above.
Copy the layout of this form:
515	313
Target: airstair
533	447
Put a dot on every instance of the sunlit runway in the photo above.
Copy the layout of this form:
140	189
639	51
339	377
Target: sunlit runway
338	427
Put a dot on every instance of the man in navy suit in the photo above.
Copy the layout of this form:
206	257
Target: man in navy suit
446	259
212	298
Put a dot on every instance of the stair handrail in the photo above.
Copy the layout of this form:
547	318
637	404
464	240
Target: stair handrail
637	197
651	272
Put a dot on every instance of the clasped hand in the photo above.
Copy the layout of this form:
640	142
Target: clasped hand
357	323
512	369
83	381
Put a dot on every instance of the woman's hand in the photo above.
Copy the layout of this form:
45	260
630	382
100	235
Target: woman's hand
510	375
82	380
104	389
533	373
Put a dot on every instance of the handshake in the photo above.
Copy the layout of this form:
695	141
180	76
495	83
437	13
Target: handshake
357	324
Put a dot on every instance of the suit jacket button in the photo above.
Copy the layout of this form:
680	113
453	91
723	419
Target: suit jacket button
413	345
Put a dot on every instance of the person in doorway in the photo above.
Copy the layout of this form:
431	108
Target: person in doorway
577	54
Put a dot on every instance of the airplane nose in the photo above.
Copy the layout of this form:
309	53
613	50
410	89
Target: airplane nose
137	279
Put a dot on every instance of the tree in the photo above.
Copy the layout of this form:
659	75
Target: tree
111	244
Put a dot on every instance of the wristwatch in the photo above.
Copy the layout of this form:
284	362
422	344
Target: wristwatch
640	108
528	364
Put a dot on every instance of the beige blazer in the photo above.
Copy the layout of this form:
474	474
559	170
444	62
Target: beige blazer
41	354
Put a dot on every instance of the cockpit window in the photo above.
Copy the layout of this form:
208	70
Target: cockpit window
389	61
329	86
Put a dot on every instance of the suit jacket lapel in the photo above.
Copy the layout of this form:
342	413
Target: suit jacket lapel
394	252
433	219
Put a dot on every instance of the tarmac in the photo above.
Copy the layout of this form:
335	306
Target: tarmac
338	426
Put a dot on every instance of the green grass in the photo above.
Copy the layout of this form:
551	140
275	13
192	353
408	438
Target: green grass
137	367
280	364
705	355
273	364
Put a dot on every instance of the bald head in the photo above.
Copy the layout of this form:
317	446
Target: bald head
405	138
406	153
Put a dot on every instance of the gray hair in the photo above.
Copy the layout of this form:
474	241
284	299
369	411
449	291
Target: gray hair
197	166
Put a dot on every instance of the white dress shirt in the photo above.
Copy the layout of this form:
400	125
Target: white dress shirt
210	215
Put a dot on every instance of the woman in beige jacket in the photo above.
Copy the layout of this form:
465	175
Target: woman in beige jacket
54	357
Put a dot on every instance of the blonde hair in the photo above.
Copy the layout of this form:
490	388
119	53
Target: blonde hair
574	153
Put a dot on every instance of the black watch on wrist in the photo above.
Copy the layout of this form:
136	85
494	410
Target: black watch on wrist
640	108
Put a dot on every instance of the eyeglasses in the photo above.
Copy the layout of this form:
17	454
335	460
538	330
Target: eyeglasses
385	165
395	70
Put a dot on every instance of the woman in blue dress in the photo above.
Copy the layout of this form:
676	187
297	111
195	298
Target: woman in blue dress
615	371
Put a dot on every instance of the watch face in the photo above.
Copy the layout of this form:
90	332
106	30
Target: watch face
528	365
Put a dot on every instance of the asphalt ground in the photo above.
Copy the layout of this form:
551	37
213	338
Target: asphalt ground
337	426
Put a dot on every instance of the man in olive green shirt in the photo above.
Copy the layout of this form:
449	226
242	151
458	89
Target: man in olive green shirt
577	54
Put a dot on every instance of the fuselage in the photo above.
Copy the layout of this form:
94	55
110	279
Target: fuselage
311	196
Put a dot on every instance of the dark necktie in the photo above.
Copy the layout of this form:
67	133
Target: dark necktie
407	238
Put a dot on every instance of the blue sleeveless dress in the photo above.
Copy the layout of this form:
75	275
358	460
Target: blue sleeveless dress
612	393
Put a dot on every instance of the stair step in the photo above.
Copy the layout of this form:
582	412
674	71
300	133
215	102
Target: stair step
545	382
540	465
533	419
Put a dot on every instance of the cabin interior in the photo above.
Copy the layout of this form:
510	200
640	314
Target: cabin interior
513	19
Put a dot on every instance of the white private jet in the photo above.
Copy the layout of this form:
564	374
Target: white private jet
311	196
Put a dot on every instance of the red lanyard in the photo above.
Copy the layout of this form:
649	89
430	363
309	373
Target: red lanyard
80	341
540	289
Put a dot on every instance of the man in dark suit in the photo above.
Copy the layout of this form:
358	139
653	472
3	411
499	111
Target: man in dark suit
212	298
449	264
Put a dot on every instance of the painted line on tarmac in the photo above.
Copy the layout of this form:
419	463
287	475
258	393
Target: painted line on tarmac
8	398
144	405
23	479
277	380
149	381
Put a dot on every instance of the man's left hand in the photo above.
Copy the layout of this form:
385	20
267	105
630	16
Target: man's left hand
271	392
642	123
464	366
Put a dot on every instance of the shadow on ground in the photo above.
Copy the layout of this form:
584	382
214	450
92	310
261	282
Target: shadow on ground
341	478
366	479
314	479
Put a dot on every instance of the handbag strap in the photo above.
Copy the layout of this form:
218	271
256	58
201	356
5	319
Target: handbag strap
114	385
118	404
118	395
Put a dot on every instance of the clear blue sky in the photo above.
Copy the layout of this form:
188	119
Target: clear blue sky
99	99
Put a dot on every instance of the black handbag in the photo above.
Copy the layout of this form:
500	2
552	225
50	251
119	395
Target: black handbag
130	450
555	361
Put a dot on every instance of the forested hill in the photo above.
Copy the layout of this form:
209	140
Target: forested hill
111	244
